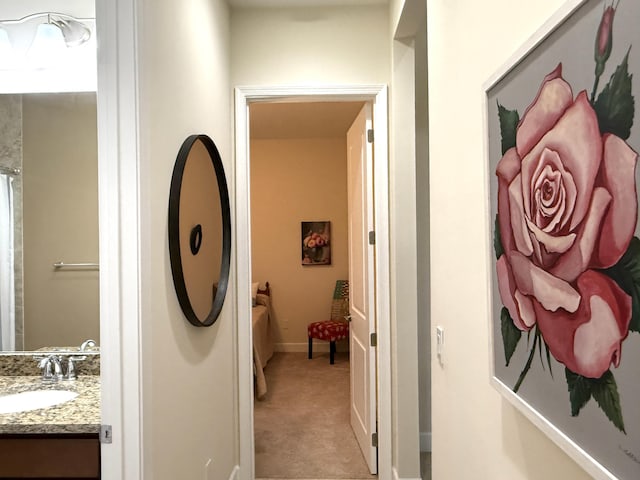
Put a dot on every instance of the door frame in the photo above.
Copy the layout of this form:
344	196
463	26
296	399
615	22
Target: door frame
120	237
378	96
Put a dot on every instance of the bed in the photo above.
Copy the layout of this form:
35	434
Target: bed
262	337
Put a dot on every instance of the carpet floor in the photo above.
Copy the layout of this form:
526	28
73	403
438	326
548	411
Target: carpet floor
302	428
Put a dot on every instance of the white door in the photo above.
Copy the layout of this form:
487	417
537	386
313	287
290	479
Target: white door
361	285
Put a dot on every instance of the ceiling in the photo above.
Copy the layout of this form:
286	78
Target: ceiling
302	120
303	3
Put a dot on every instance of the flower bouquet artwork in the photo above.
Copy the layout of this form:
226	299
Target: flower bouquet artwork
566	244
316	247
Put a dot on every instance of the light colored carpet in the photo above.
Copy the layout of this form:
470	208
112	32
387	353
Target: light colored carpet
302	426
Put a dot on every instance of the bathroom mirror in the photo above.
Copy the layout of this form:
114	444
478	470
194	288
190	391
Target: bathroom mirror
50	143
199	230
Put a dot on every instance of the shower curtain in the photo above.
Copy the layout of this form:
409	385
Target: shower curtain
7	288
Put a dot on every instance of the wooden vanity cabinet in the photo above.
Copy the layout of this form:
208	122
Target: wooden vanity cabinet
73	456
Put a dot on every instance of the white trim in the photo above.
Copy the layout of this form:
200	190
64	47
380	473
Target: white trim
572	449
234	473
580	456
377	94
246	463
319	346
398	477
119	238
425	441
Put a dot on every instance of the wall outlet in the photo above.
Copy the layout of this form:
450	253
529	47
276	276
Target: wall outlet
440	344
285	324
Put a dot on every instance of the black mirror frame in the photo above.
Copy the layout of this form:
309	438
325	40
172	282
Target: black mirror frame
174	231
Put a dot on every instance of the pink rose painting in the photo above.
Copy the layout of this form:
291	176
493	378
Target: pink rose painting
567	260
316	247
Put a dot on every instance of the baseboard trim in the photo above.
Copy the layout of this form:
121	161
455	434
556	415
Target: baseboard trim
234	473
300	347
425	441
318	346
398	477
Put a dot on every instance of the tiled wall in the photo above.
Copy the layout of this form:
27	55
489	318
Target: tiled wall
11	156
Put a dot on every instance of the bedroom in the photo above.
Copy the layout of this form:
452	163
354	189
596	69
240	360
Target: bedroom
299	174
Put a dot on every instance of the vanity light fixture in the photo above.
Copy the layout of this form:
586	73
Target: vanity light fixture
57	31
48	52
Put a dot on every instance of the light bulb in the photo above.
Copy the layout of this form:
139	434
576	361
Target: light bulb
7	54
48	47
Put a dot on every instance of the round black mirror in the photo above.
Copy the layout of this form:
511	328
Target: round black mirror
199	230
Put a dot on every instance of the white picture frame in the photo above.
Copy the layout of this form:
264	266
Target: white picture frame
614	454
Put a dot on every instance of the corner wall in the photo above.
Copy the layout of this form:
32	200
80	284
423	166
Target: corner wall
189	374
423	235
476	433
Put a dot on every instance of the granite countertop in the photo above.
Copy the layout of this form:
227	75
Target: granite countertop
80	415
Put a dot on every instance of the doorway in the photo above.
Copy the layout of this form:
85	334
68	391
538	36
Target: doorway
377	95
305	159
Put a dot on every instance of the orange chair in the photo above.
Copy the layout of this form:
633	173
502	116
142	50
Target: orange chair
338	327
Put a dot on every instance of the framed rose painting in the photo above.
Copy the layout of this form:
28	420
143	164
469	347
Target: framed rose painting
562	154
316	243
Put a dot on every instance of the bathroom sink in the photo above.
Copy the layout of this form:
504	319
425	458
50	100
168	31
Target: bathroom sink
25	401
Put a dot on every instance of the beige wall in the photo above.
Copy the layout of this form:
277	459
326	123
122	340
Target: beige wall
189	373
60	201
301	46
476	433
295	180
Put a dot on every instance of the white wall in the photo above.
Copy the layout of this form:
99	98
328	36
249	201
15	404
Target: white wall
476	434
305	46
343	45
189	373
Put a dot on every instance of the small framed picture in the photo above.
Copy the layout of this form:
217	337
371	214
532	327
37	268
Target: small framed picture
316	243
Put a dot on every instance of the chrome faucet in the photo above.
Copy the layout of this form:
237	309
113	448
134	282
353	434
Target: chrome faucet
87	344
51	368
71	368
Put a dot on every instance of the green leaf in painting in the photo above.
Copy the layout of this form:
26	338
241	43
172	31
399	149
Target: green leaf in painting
540	351
527	366
615	104
605	393
497	242
626	273
508	123
548	358
579	391
510	335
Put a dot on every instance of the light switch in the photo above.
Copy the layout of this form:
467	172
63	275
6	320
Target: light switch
440	344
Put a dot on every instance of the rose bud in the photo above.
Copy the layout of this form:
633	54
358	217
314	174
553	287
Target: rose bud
604	36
